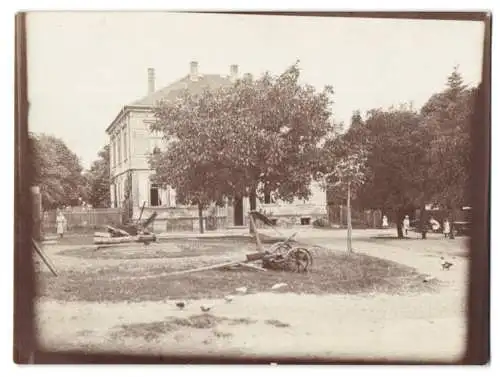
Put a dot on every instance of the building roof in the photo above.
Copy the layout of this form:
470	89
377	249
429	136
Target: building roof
174	90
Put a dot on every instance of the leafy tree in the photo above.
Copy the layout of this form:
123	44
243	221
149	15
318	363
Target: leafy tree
396	160
344	170
98	180
250	139
280	125
446	116
57	170
182	167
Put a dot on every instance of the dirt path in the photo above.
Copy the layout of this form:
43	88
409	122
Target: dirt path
425	326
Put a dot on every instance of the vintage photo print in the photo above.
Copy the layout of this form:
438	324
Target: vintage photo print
234	188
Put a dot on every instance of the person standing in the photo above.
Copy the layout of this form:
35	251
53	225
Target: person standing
385	222
406	224
434	225
61	224
446	228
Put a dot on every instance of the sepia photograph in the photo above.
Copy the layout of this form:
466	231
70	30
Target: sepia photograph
241	187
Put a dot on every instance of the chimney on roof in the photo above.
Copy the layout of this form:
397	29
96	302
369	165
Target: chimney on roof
151	80
193	72
234	72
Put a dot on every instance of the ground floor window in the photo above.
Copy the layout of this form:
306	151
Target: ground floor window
267	198
154	196
305	221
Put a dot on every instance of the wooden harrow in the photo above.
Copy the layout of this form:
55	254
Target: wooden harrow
283	255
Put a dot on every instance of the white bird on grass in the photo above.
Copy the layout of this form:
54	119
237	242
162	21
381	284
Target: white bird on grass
206	308
228	298
242	290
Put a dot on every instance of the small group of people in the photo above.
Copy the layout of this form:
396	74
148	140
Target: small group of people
434	225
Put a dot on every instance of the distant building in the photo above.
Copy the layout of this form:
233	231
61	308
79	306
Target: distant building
131	143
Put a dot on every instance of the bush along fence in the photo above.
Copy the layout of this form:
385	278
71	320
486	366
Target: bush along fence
83	219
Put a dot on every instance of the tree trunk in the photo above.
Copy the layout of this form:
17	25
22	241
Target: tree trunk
37	213
200	217
423	221
399	222
451	220
349	222
253	206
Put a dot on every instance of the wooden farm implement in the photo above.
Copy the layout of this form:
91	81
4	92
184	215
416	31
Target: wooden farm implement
283	255
137	232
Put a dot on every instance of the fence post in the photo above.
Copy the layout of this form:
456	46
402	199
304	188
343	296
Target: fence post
37	213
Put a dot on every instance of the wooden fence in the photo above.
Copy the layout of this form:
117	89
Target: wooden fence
337	214
92	218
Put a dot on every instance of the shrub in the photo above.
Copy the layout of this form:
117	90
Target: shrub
321	223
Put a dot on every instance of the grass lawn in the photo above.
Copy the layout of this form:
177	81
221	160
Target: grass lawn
332	272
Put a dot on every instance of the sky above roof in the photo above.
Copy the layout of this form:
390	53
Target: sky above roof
83	67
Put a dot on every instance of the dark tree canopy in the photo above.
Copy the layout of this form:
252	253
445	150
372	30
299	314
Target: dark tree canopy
447	117
413	158
98	180
57	171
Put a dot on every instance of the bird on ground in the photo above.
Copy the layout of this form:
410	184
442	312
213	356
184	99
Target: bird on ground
206	308
242	290
180	305
228	299
445	265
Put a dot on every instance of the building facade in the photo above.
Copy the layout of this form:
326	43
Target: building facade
131	143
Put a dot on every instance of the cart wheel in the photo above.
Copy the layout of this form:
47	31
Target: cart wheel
300	259
279	248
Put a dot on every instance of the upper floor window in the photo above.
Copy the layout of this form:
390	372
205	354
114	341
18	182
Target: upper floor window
119	145
125	150
267	198
113	147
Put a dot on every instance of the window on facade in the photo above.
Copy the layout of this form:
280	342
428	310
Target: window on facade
113	146
154	196
125	150
119	144
267	198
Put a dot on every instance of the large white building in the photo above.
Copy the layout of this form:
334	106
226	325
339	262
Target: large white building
131	143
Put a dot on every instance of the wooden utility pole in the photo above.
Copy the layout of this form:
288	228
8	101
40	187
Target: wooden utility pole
349	222
37	213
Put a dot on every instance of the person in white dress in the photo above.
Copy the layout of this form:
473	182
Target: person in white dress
406	224
446	228
61	224
385	222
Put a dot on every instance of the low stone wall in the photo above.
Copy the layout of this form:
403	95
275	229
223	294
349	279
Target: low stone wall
184	219
292	215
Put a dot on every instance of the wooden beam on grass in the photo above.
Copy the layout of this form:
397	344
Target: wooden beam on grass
44	257
205	268
252	267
